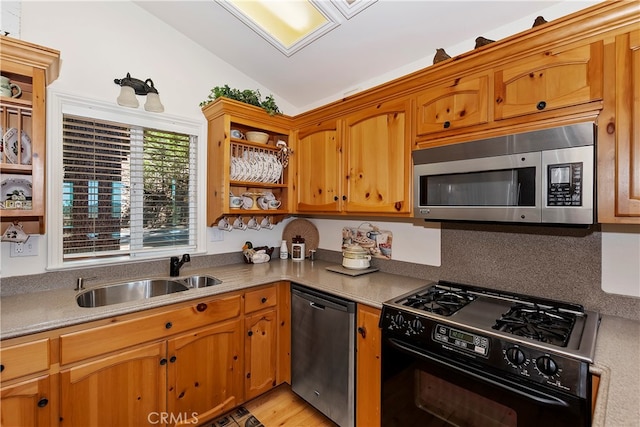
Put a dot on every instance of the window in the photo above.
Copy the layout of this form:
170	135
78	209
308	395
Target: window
125	189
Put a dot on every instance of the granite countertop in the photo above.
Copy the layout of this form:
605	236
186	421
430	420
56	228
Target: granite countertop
617	358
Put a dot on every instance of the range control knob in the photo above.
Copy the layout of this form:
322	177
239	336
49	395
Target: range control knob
515	356
416	326
546	365
397	321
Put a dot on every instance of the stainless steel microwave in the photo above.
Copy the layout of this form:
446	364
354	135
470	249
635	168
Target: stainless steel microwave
544	176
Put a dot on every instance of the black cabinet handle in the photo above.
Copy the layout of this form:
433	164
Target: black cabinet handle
201	307
43	402
344	197
541	105
264	299
163	361
446	124
168	325
172	359
250	333
336	198
1	368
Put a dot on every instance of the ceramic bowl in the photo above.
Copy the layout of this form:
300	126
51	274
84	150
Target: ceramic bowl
260	137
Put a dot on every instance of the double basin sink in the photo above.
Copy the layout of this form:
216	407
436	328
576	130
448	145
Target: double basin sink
141	290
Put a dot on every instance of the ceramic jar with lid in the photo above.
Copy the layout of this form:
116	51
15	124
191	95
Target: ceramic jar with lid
297	248
355	257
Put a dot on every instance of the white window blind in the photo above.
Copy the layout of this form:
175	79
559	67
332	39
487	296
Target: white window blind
126	189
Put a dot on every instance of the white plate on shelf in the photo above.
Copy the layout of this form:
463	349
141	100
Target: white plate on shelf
10	146
13	184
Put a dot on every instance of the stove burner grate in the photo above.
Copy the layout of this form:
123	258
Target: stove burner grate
547	325
439	301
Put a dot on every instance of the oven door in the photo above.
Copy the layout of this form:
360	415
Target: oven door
427	389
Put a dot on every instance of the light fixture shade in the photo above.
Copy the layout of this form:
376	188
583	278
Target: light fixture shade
153	103
127	97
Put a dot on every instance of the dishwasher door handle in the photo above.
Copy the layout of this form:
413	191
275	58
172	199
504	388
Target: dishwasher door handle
316	305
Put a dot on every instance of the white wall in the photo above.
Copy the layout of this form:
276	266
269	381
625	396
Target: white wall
621	259
103	40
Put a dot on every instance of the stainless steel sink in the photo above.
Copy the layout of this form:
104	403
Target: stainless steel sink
129	291
201	281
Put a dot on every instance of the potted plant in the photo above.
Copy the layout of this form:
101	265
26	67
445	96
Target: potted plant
248	96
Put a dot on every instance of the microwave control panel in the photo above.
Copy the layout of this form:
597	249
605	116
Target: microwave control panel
564	184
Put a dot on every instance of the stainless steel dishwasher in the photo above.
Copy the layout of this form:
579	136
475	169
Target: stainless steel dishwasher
323	352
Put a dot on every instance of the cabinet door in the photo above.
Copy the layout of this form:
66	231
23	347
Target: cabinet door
205	371
260	353
452	105
125	389
318	179
549	80
619	133
368	367
27	403
377	159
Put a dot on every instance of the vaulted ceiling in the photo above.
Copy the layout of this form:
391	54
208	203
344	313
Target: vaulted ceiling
384	40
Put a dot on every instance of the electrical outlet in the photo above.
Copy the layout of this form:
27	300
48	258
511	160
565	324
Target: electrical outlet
216	235
28	248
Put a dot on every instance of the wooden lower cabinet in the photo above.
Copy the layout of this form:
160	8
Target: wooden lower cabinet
28	403
261	353
368	367
124	389
204	372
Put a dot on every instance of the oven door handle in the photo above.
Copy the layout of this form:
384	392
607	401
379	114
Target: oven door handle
529	394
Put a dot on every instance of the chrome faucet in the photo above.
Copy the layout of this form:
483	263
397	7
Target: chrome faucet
176	263
80	282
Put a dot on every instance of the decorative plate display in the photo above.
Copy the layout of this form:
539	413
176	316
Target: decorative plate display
10	146
375	241
16	192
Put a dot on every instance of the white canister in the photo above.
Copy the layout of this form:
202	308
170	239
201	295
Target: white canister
298	249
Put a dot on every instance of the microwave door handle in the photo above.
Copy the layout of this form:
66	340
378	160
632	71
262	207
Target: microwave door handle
540	398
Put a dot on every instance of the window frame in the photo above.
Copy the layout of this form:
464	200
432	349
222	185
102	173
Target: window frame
58	104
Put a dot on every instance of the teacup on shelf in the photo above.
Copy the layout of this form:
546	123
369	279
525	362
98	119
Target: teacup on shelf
274	204
235	202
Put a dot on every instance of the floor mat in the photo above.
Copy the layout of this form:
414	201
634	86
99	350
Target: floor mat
239	417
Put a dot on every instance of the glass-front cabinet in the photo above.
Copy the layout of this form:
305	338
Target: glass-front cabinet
26	69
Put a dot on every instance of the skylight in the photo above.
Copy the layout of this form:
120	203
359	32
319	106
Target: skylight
289	25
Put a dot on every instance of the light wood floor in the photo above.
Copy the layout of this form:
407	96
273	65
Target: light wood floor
282	407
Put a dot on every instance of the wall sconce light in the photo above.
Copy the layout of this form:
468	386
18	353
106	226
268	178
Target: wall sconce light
130	87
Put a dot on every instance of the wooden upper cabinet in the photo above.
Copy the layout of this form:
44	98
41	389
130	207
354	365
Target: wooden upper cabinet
377	149
619	133
22	121
318	178
457	103
549	80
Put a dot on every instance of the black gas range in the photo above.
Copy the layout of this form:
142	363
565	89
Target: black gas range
517	345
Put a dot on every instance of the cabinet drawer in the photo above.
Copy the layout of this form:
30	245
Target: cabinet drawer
80	345
24	359
262	298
